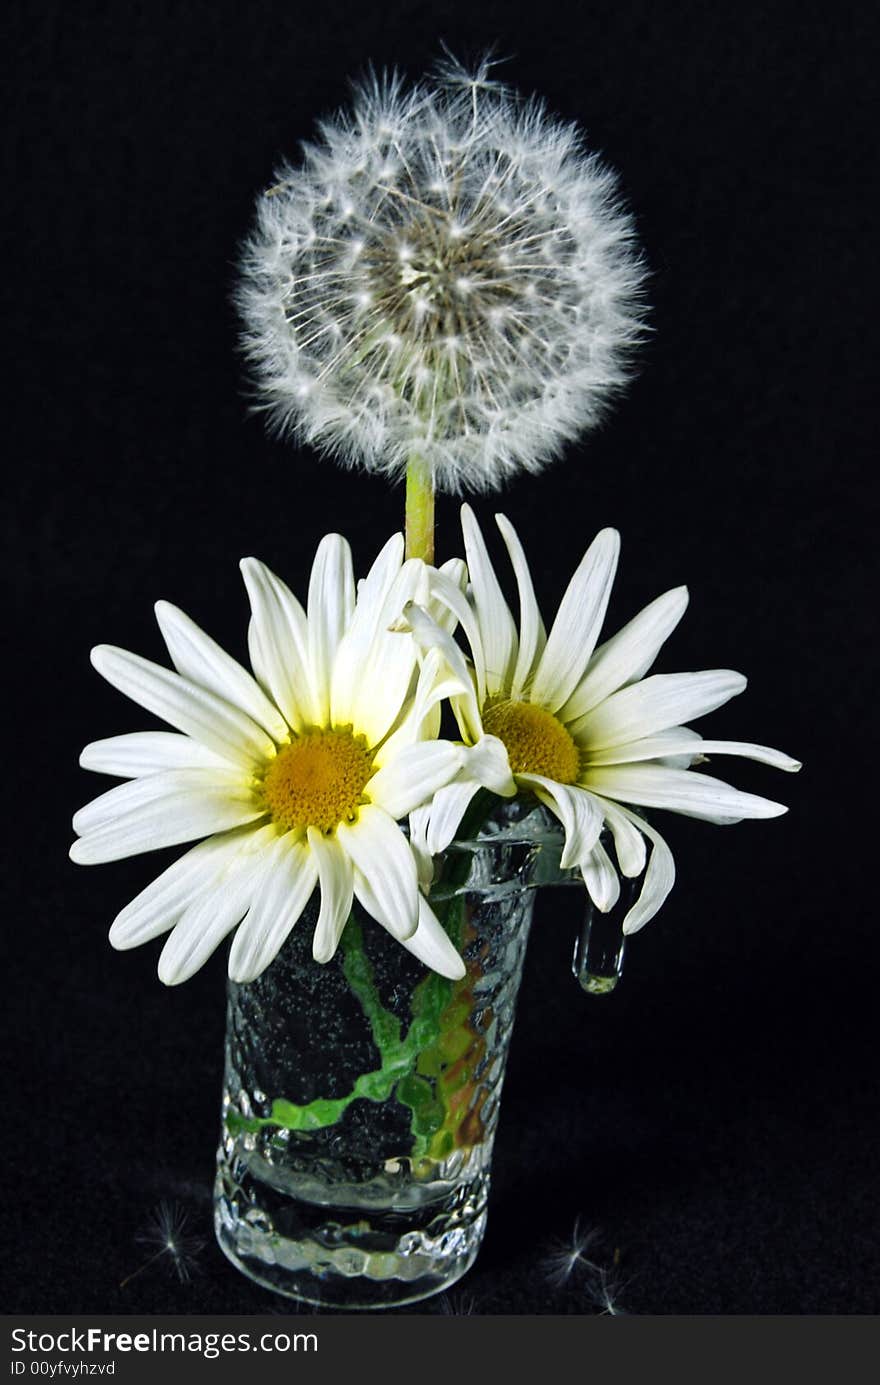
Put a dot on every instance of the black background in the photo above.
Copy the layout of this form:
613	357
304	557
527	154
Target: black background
715	1120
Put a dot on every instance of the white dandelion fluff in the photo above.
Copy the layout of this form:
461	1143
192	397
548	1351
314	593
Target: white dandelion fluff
169	1233
446	278
567	1260
565	1257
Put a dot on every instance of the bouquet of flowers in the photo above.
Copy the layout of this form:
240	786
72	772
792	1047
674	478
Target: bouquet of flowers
445	289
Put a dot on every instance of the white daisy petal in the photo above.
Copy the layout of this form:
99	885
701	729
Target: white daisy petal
655	704
629	843
601	878
375	688
436	684
116	803
628	655
485	766
488	764
659	878
208	920
201	661
383	856
356	645
450	595
284	890
278	641
680	741
331	604
430	944
191	709
576	810
158	907
764	754
419	821
422	721
372	591
388	673
454	571
575	630
148	752
336	879
687	748
532	635
434	641
497	630
447	809
161	810
411	778
683	791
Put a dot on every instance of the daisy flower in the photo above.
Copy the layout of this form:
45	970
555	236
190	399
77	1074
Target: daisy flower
578	726
446	278
295	777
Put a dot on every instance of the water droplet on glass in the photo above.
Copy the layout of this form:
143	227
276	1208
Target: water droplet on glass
599	946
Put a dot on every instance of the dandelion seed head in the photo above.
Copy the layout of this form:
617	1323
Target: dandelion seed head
457	246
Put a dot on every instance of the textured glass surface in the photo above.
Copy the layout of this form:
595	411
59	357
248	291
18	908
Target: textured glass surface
361	1097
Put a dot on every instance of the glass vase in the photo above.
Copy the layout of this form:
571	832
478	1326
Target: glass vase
361	1097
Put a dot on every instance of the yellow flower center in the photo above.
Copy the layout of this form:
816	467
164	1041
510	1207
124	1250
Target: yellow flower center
318	779
536	740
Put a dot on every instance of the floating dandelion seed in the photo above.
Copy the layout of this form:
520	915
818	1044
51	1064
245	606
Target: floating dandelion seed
602	1289
168	1231
447	279
458	1305
567	1256
569	1261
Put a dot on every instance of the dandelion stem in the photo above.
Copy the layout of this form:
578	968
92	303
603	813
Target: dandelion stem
163	1250
419	511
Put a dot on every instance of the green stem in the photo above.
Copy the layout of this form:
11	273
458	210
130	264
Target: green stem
398	1056
419	511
